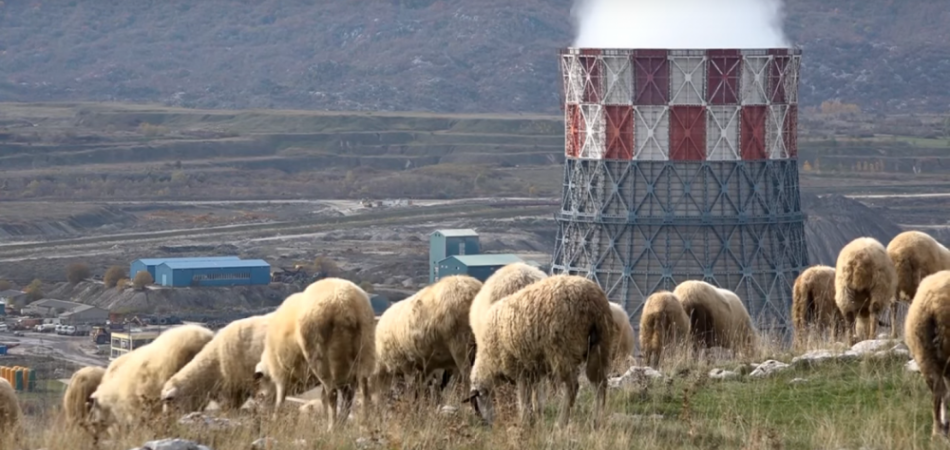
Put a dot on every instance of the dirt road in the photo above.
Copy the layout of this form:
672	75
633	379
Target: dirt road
67	348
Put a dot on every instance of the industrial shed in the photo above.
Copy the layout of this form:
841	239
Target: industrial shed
213	273
84	314
445	243
49	307
150	264
478	266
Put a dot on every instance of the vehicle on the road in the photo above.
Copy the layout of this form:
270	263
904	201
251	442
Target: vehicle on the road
45	328
100	335
4	328
60	329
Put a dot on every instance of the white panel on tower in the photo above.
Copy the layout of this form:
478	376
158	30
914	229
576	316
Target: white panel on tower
573	79
688	79
755	83
775	132
722	133
595	141
652	133
619	80
791	79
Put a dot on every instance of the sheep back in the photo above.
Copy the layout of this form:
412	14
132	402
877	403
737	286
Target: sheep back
717	318
915	255
625	338
505	281
927	336
76	400
663	324
813	300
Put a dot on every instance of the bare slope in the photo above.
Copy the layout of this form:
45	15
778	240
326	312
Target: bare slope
447	56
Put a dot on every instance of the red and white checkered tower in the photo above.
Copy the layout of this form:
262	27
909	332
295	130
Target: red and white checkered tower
682	164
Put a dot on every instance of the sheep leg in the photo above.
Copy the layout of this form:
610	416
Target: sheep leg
850	325
894	320
281	395
524	390
330	404
368	407
348	394
538	398
567	402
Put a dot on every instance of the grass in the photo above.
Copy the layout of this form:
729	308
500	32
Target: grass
869	403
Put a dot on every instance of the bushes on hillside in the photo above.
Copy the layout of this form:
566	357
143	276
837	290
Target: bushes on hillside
141	280
77	272
113	275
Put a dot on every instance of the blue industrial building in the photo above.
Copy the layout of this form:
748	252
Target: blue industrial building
150	264
445	243
233	272
477	266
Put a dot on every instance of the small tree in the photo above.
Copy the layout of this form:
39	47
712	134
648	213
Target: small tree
77	272
142	279
122	284
113	275
34	290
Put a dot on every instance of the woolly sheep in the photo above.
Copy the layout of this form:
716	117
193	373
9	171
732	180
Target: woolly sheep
76	399
625	339
549	329
663	324
927	335
10	413
915	255
717	318
813	303
865	285
223	371
428	332
505	281
328	331
131	387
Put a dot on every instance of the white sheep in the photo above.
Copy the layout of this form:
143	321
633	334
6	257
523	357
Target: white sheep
663	324
130	390
505	281
915	255
625	338
813	304
865	285
717	318
76	400
10	413
427	332
548	329
927	335
328	330
223	371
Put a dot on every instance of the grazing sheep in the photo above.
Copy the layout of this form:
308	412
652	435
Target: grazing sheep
327	331
223	371
10	413
504	282
927	335
813	303
663	324
865	285
130	390
76	400
625	339
717	318
915	255
427	332
549	329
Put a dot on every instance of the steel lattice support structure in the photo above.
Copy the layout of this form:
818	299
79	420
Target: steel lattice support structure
682	164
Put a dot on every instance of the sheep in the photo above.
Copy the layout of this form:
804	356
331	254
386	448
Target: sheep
504	282
223	371
813	303
717	318
865	285
548	329
663	323
915	255
130	389
427	332
625	339
927	335
10	413
76	399
327	331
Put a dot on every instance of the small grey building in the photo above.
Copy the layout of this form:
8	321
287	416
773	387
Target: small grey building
84	314
48	307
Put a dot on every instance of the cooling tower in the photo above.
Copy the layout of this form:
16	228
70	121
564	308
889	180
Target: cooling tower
682	164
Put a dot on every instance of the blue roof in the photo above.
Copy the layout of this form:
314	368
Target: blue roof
486	260
157	261
216	264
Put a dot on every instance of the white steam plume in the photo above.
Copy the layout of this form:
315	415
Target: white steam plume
679	24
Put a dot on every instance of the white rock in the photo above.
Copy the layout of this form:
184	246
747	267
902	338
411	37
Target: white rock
768	368
633	375
871	346
197	418
264	443
722	374
912	366
173	444
798	381
370	442
448	410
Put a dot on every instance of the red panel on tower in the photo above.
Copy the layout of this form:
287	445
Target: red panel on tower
687	133
752	137
574	132
619	132
593	75
723	72
651	75
790	132
776	74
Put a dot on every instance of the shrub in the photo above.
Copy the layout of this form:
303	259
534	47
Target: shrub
34	290
5	285
142	279
123	284
113	275
77	272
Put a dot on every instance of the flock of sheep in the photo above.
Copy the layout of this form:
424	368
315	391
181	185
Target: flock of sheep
519	327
